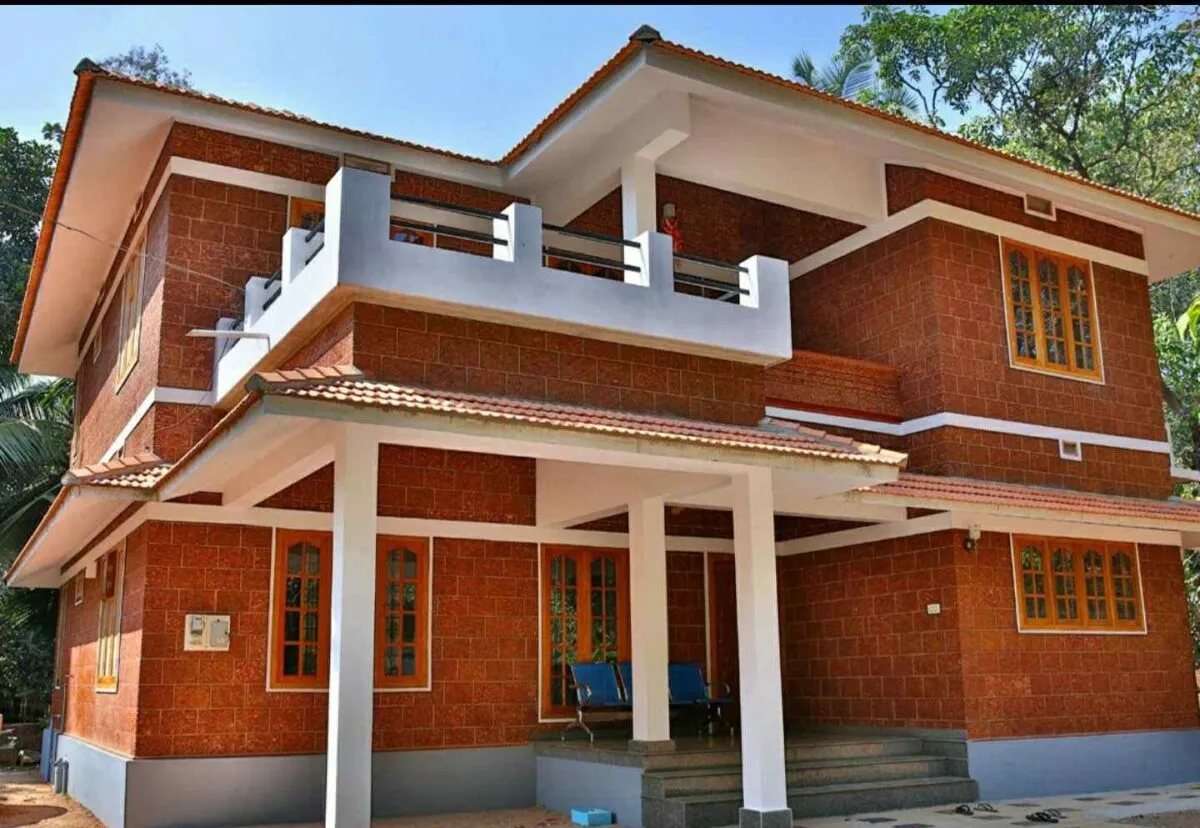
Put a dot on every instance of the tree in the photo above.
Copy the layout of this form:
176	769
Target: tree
1106	92
36	415
150	65
25	171
852	76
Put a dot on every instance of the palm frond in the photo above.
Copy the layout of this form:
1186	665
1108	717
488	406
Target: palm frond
804	69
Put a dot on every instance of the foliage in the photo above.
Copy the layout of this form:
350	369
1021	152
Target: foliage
36	415
850	74
25	170
1106	92
150	65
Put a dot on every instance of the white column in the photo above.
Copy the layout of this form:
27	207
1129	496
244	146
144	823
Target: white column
352	629
764	779
639	202
648	614
521	229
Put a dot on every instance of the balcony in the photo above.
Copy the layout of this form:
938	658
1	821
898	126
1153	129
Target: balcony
509	267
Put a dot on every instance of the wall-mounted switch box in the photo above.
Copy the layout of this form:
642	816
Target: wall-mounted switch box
206	632
933	609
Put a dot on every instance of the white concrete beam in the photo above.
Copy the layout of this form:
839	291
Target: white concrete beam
280	467
657	127
352	630
764	779
648	616
571	493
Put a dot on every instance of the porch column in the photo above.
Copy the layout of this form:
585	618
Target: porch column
764	779
648	616
352	629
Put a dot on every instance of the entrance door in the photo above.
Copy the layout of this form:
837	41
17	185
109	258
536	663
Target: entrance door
585	616
722	621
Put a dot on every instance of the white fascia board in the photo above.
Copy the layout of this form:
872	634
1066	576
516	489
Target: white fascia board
329	140
969	421
986	164
1029	512
929	209
499	436
998	523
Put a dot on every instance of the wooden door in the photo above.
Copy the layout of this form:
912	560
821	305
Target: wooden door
722	621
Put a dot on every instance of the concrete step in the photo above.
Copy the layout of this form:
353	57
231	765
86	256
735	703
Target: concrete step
716	809
799	774
715	755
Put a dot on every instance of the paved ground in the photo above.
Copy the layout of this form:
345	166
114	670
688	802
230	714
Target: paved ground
26	800
1169	807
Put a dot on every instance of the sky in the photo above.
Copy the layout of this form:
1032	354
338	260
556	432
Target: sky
472	79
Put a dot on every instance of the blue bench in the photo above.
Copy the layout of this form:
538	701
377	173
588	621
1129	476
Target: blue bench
686	685
685	688
595	689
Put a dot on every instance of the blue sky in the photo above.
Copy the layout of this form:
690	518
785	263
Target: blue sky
472	79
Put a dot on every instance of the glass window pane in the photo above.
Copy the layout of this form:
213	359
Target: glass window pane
393	596
311	626
408	661
410	564
390	665
309	668
292	592
295	556
312	593
393	565
291	626
410	597
410	628
313	557
291	660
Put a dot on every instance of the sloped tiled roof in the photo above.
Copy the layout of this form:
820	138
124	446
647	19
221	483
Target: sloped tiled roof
769	437
934	489
136	471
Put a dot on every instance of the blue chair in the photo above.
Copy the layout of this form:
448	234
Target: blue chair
596	688
686	685
626	671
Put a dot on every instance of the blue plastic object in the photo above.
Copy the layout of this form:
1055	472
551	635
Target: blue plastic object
591	816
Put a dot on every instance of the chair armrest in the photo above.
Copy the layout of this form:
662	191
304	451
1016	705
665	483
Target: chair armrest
580	699
712	685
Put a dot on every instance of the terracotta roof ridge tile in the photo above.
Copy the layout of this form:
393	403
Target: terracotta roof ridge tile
366	392
303	377
115	467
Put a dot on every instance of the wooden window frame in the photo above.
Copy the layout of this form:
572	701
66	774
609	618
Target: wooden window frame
129	298
77	586
1040	364
324	542
421	680
108	631
297	207
584	556
1081	624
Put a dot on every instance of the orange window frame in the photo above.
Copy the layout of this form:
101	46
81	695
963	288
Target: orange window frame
387	609
1075	598
323	541
108	634
1063	264
583	558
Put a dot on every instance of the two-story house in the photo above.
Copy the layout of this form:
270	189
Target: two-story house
376	443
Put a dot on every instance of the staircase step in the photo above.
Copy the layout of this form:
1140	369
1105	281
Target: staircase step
705	810
815	751
799	774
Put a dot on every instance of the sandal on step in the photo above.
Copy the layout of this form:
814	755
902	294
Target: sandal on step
1040	816
965	810
987	807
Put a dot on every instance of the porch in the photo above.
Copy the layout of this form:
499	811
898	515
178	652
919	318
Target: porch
636	469
829	772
